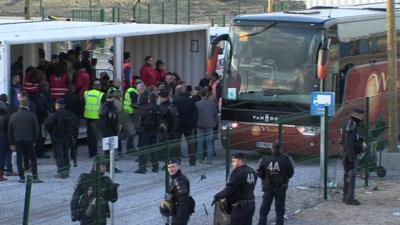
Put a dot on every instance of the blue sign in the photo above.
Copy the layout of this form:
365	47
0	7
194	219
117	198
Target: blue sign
321	99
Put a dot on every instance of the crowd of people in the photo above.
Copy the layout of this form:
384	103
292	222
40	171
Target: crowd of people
53	98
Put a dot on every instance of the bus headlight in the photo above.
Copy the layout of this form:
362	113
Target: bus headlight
225	125
308	131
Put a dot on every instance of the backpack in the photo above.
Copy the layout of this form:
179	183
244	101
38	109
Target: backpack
152	118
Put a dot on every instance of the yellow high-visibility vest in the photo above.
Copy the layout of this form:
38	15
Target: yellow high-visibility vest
92	104
128	101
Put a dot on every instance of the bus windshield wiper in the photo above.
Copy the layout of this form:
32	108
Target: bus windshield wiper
260	31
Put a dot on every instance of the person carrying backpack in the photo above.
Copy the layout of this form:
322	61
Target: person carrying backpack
60	126
150	126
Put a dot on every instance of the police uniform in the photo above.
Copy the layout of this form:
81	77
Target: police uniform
275	172
83	202
352	145
239	193
179	193
61	126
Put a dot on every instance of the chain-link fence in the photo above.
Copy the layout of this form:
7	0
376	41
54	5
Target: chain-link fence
149	11
207	169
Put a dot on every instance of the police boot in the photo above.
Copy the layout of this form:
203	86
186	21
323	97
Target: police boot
2	177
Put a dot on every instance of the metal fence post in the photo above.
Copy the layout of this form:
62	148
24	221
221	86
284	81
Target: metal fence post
239	7
90	10
102	15
118	14
367	140
228	153
162	12
27	204
176	11
98	187
212	22
326	153
166	154
148	13
223	20
113	13
188	8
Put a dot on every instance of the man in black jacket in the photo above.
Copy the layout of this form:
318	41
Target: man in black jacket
353	144
239	191
74	104
179	193
61	125
169	117
150	115
83	202
187	122
275	172
23	142
43	104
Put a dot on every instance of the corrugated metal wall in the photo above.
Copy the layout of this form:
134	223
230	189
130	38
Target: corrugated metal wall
311	3
175	50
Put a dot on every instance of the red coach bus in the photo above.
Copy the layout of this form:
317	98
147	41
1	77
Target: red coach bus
271	68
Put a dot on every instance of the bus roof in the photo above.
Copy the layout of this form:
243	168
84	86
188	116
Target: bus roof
24	32
322	15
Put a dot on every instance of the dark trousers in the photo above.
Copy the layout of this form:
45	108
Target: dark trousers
191	140
182	215
146	139
40	150
92	134
26	150
279	194
60	151
74	142
349	179
242	213
5	154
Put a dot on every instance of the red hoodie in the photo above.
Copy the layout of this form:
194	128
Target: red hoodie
82	82
148	75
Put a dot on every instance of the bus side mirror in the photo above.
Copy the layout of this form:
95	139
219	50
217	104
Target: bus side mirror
215	50
323	60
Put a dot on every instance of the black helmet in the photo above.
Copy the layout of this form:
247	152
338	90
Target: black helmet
167	208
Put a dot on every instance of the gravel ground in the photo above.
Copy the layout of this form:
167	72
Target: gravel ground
140	195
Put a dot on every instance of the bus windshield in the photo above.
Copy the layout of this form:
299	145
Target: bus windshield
272	63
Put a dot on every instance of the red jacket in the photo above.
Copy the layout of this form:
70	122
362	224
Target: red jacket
58	85
82	82
32	87
160	75
148	75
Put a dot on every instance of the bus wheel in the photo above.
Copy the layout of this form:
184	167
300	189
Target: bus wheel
381	171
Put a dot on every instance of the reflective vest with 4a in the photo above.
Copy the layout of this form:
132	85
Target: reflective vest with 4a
128	101
92	104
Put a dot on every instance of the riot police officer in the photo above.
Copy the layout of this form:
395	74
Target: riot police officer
275	172
239	191
179	194
353	144
83	202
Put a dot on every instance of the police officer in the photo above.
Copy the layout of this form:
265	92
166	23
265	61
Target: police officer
169	117
93	101
179	194
83	202
352	145
275	172
239	191
61	126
